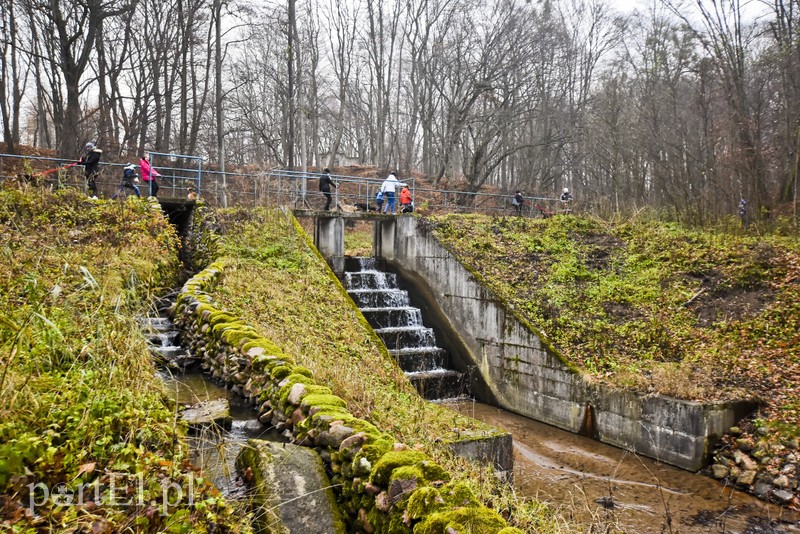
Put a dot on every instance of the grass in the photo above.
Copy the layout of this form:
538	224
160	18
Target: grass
276	282
652	306
81	410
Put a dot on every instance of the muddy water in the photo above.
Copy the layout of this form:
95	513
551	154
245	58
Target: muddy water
618	488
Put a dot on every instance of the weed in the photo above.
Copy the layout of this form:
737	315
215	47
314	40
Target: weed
80	406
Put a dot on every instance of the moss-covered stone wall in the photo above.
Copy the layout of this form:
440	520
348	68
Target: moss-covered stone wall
383	485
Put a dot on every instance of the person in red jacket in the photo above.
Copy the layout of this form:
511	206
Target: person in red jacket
149	174
406	202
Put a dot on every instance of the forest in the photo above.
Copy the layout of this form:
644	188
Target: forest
687	106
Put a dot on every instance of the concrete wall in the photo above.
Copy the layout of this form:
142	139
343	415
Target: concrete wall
528	377
329	239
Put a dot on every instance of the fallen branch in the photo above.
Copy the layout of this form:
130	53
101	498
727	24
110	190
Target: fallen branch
694	297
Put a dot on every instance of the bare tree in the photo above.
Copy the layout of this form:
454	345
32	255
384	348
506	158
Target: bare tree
76	35
12	79
725	37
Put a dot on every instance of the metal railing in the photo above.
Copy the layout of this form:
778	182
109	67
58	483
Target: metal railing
276	187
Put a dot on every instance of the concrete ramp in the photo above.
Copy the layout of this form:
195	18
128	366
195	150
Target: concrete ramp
521	372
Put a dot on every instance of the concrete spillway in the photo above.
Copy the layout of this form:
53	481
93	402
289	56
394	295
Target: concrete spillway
399	325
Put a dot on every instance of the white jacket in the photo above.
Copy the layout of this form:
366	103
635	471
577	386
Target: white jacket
391	184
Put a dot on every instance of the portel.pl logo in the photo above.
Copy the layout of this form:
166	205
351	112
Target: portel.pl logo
119	489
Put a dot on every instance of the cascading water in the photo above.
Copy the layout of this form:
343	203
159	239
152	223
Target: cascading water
400	326
213	448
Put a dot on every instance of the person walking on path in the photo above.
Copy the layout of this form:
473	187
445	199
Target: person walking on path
389	188
90	163
149	174
743	212
129	180
517	202
566	200
406	202
379	199
325	183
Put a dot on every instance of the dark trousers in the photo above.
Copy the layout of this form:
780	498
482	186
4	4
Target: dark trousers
91	184
151	187
328	196
122	187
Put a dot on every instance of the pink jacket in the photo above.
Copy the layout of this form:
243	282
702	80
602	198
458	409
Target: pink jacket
144	166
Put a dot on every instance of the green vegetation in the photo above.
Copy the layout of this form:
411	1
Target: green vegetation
274	279
358	238
83	421
277	282
648	305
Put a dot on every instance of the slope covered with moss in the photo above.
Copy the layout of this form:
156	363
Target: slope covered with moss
88	442
649	305
275	280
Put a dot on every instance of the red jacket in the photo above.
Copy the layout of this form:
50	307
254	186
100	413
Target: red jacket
405	196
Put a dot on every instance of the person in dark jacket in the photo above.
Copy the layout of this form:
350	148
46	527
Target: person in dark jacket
566	201
743	212
518	201
90	163
325	183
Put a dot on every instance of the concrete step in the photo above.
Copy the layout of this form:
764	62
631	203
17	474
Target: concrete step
379	298
363	263
420	358
393	316
438	383
370	280
405	337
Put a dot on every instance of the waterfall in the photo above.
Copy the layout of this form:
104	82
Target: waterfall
388	310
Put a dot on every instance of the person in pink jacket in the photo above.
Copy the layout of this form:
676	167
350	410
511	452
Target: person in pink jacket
149	174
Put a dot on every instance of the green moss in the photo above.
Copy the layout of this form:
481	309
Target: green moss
270	348
390	461
317	399
473	520
234	338
217	317
317	390
299	369
424	501
260	363
378	445
280	372
458	495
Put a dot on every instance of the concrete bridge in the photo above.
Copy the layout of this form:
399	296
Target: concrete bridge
329	228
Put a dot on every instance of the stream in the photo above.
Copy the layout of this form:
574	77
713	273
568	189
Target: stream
605	485
213	449
597	484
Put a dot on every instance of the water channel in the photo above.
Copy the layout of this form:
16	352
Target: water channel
597	484
213	449
604	485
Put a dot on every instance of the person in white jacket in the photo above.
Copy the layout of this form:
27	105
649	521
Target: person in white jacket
389	188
